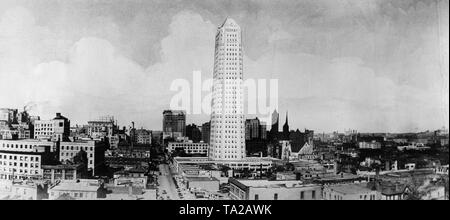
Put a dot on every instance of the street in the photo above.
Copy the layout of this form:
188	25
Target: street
166	183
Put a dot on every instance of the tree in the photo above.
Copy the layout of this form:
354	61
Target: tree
246	173
279	169
290	167
415	193
224	169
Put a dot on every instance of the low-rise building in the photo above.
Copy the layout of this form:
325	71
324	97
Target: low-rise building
443	170
60	172
23	159
95	151
369	145
101	127
189	147
352	191
210	184
21	190
413	146
253	164
57	129
433	192
273	190
390	190
133	177
79	189
143	136
129	193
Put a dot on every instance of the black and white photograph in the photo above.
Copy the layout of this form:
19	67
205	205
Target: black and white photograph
224	100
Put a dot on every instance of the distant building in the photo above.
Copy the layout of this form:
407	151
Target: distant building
157	137
129	193
102	127
390	190
206	132
8	116
199	170
60	172
253	164
76	189
128	157
442	170
413	146
133	177
273	190
286	150
193	133
273	134
57	129
9	134
174	122
433	192
300	139
255	129
143	136
15	125
358	191
95	152
189	147
23	159
443	141
210	184
369	145
21	190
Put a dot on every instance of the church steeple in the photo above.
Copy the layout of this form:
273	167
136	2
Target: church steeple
286	123
286	128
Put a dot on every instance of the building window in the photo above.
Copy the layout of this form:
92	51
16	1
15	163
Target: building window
256	197
302	195
275	196
313	194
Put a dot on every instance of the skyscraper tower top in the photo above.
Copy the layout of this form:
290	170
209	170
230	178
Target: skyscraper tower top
229	22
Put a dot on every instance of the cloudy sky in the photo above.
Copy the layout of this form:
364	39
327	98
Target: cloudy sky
372	65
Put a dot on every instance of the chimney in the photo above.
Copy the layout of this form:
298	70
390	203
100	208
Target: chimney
58	114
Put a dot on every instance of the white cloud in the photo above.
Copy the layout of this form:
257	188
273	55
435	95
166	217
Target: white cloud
85	73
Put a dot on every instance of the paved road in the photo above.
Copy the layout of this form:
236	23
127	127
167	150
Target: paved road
166	182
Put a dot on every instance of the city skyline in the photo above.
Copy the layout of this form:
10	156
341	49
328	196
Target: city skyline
224	101
361	66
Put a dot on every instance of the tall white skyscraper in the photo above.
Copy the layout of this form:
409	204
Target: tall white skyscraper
227	116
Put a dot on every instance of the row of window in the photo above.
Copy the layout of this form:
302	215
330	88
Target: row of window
77	148
17	164
18	146
20	158
72	154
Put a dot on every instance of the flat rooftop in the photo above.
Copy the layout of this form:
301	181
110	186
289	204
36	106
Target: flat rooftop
76	186
273	184
28	140
207	160
350	189
202	179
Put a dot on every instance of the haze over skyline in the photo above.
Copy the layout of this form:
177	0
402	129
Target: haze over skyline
373	66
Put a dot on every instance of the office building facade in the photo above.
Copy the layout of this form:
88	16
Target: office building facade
227	115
